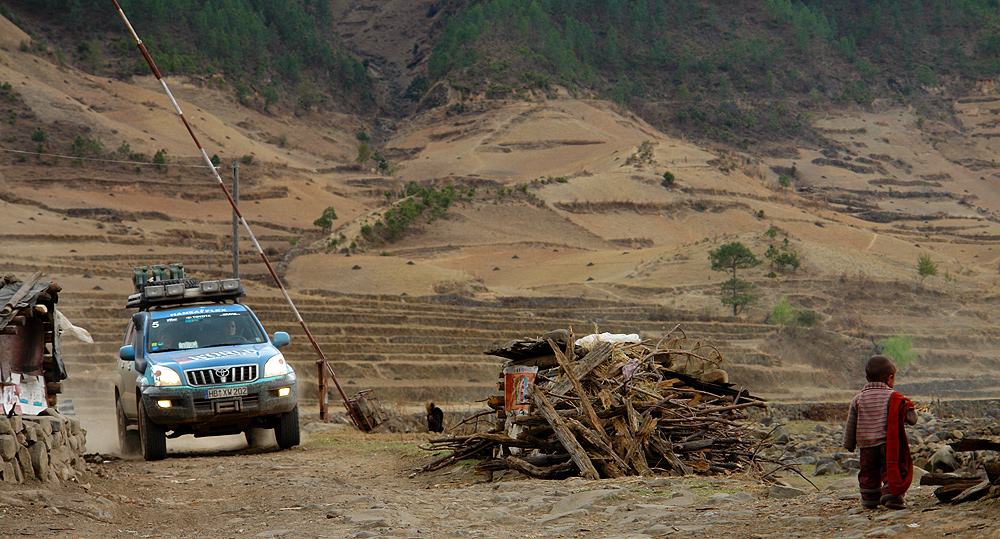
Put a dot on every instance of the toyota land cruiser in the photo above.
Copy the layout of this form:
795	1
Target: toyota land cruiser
196	361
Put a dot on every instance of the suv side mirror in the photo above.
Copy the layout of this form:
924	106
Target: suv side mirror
127	352
280	339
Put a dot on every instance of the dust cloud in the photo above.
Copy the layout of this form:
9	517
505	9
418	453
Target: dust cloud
102	436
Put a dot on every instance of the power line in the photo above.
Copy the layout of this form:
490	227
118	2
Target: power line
97	160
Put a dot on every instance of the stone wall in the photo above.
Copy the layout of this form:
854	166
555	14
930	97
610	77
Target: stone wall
47	447
837	412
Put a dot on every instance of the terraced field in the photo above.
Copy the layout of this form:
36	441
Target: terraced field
411	350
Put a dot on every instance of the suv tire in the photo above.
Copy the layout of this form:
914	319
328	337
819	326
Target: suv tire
153	436
286	433
128	440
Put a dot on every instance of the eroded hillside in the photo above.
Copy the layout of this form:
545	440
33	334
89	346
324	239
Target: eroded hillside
564	217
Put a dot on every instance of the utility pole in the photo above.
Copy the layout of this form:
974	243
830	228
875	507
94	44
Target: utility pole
236	220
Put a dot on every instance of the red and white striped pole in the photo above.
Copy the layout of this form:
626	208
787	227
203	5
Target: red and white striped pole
322	364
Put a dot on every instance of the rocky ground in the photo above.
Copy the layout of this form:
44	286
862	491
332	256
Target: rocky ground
341	483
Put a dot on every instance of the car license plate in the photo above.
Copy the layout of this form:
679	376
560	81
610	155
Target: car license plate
220	392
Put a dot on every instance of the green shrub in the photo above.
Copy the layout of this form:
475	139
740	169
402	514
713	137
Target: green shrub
364	152
806	318
899	348
7	92
325	221
160	159
782	314
279	140
668	179
925	266
417	88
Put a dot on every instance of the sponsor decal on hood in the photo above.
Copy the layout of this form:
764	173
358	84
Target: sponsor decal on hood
219	354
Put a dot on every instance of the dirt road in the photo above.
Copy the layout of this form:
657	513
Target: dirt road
344	484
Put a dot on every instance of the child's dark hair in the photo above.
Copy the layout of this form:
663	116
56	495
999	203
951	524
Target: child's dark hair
879	368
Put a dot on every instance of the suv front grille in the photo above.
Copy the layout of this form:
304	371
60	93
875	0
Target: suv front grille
247	402
221	375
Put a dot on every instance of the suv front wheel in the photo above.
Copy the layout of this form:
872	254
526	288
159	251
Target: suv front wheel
286	433
153	436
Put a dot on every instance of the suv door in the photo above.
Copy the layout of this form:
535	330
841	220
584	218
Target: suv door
127	374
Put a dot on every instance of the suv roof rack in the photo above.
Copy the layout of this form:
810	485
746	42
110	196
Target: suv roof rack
166	285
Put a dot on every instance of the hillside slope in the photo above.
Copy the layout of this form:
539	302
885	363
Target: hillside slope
569	201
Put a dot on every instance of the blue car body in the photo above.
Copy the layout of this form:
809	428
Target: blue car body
205	370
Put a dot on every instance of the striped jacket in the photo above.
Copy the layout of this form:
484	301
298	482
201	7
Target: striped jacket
866	421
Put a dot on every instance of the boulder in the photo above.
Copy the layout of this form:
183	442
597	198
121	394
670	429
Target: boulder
943	460
39	460
8	446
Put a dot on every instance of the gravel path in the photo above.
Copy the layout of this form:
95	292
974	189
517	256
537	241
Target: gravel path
342	484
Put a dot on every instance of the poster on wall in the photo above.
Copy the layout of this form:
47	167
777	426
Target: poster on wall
517	381
9	393
31	397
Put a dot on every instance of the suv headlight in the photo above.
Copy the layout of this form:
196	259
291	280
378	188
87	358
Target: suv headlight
276	366
165	376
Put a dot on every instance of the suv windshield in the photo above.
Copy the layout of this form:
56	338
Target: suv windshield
203	330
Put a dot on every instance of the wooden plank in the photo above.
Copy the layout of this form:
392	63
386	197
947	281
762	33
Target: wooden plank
973	493
538	472
457	455
564	434
617	466
597	355
941	478
632	418
693	446
588	408
623	436
975	444
635	454
663	448
21	292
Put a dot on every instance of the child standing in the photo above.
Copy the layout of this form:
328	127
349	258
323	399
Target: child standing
875	425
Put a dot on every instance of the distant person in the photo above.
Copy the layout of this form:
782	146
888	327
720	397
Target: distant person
876	427
435	418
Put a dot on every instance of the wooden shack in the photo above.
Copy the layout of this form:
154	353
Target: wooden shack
31	367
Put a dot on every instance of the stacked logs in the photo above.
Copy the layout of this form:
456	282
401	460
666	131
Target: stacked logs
613	410
957	488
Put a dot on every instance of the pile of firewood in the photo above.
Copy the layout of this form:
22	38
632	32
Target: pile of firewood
965	487
613	409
